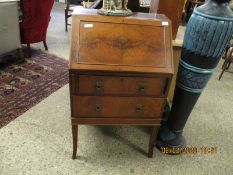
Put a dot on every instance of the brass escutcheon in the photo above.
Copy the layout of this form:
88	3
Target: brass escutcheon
99	85
138	107
142	87
98	107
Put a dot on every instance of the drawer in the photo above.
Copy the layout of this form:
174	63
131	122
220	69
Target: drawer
128	107
113	85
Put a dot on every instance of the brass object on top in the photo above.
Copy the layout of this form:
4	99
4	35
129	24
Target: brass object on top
115	8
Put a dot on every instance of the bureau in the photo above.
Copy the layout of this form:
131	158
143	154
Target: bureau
120	70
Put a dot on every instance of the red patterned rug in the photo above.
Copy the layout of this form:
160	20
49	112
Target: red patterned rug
23	85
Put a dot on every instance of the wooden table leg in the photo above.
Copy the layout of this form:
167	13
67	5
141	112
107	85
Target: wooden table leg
20	54
152	141
75	140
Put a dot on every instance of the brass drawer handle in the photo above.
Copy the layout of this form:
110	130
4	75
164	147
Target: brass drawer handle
99	86
142	87
138	107
98	107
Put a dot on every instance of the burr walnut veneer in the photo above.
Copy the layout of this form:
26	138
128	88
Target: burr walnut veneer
120	70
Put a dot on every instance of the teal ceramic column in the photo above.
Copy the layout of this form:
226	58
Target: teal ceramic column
208	32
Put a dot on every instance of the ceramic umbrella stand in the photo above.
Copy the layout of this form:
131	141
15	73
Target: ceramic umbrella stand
208	32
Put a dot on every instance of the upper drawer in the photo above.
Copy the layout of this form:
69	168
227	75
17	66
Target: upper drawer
114	85
121	44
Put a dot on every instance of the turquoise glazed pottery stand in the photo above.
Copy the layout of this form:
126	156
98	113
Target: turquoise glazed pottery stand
208	32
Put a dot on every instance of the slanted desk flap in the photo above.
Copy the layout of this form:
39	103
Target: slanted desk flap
141	40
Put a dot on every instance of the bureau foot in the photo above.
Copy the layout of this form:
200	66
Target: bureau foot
20	54
152	141
75	140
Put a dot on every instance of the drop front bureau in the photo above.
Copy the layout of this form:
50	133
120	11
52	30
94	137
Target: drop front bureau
120	70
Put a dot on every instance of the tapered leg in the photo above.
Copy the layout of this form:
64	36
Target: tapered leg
66	19
223	70
29	50
45	45
20	54
152	141
229	64
75	140
225	67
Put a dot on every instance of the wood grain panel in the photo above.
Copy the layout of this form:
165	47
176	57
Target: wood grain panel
116	85
125	44
86	106
172	9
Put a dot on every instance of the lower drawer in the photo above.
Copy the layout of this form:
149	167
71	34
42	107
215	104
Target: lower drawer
127	107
